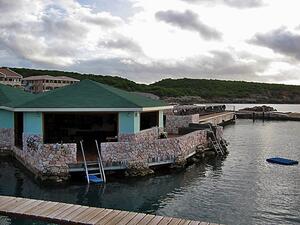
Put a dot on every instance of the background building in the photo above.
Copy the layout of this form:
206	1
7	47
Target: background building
9	77
38	84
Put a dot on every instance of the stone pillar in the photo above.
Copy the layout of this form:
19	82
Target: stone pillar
161	119
32	131
6	130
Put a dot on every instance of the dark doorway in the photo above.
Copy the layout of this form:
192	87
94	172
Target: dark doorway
18	121
74	127
149	119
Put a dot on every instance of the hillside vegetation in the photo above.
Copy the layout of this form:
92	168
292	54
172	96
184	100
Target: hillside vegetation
192	90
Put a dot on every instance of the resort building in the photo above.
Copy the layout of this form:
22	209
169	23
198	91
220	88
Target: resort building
9	77
46	132
39	84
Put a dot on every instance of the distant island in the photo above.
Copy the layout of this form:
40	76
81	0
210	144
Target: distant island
189	91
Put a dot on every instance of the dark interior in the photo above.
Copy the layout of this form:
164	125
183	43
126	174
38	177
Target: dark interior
18	118
74	127
149	119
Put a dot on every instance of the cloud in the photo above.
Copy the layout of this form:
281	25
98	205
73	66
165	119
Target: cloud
218	65
52	32
94	38
281	41
122	43
242	4
189	20
102	19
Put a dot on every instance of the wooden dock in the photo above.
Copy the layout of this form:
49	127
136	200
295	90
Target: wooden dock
64	213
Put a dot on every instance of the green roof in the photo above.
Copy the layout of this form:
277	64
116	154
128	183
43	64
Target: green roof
90	94
11	96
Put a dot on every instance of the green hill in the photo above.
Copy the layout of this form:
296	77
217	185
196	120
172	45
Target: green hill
202	90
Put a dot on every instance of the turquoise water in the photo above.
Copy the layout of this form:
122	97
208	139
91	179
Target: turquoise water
241	189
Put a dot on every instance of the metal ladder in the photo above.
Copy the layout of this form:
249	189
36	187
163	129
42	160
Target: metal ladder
89	169
215	142
100	163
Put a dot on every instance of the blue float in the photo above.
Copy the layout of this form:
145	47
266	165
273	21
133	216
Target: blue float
95	179
282	161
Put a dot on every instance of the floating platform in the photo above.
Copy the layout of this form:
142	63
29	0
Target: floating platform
282	161
95	179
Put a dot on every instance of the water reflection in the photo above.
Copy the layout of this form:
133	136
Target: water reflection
239	189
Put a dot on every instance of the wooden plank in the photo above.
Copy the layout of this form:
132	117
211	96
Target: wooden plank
184	222
204	223
174	221
194	223
5	199
94	212
83	214
146	219
108	217
165	220
117	218
64	208
49	210
32	205
92	215
26	204
56	209
31	210
8	201
155	220
73	214
135	220
12	204
127	218
39	212
62	215
100	216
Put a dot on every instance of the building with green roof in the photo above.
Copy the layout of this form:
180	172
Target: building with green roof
10	97
86	111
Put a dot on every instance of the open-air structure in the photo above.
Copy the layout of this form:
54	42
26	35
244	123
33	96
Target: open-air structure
44	131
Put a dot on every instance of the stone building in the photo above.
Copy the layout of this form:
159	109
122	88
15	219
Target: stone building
43	83
9	77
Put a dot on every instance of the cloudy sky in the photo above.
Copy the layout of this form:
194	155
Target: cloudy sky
146	40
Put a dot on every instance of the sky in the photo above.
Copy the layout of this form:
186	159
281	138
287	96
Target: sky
149	40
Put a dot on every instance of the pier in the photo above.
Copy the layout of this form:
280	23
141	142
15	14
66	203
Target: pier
217	118
57	212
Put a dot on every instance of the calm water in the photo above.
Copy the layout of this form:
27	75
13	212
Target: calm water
241	189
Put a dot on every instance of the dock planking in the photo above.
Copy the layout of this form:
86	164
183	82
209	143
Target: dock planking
77	214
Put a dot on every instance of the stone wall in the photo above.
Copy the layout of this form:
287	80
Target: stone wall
219	132
48	161
144	135
6	138
145	151
174	122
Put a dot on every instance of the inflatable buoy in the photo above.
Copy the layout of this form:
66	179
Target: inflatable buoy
282	161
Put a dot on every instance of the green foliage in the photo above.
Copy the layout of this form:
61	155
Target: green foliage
208	89
228	89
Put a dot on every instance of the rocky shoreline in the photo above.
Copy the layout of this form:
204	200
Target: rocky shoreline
199	100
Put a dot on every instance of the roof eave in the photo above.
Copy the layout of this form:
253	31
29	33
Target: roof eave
144	109
7	108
